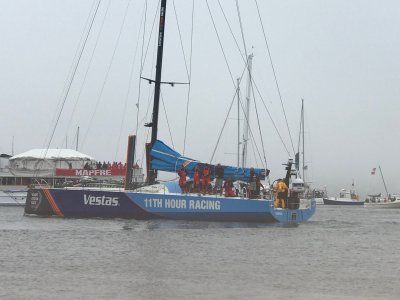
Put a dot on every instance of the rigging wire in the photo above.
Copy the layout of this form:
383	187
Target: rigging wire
251	78
166	117
273	70
71	80
73	62
233	81
270	117
246	61
151	92
129	88
259	127
141	70
107	73
150	88
256	163
241	28
88	67
220	44
227	115
230	29
74	139
253	137
143	59
254	82
190	78
180	38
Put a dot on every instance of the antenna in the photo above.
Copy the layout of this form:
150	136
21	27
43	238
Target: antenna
77	138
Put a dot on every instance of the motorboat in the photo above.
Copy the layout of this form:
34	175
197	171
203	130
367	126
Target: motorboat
345	197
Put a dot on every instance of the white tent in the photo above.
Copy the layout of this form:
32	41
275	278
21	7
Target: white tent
43	162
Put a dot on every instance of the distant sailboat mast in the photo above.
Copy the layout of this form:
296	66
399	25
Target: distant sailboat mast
384	183
77	138
247	112
302	127
301	143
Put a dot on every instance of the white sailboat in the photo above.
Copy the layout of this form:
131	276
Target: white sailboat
376	201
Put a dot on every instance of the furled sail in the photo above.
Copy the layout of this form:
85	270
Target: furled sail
163	158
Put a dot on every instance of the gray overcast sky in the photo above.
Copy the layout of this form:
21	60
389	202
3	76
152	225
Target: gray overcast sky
341	56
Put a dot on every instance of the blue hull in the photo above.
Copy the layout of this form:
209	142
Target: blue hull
86	203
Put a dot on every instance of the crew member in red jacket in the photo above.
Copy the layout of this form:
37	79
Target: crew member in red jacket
229	192
206	179
182	178
196	180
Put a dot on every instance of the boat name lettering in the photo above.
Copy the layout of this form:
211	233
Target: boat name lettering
100	200
92	172
35	199
35	196
183	204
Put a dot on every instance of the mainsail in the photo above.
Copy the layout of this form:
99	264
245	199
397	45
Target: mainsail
164	158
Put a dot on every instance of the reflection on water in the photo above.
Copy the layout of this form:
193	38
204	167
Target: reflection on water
179	224
342	253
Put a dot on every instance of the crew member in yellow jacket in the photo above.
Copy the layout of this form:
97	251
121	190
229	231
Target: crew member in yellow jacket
281	188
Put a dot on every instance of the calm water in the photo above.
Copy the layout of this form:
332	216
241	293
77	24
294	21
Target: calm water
343	253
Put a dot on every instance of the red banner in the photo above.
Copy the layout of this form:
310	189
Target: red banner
91	173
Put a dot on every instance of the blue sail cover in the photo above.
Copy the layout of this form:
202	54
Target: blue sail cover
163	158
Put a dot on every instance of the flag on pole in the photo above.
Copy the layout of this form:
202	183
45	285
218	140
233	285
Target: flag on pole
373	171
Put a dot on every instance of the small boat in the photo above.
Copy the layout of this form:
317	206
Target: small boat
376	201
346	197
13	197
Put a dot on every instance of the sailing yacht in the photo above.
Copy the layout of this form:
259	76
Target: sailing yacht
166	200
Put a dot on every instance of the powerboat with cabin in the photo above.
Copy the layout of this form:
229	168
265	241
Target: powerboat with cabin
345	197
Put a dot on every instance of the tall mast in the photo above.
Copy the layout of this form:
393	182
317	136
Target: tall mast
151	174
247	111
158	71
